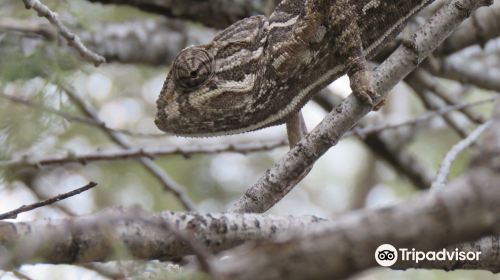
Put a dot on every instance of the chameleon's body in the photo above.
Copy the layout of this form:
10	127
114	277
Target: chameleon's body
259	71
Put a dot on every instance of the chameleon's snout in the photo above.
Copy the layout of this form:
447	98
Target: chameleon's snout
162	119
160	115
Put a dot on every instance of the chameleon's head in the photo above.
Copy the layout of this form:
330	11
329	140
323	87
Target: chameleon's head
201	98
210	89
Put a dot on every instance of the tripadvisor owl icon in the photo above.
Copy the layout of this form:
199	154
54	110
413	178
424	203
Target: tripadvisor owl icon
386	255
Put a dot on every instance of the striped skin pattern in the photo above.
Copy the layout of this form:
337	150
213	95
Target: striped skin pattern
259	71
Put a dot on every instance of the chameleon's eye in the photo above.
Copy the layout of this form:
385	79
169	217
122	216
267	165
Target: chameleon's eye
192	68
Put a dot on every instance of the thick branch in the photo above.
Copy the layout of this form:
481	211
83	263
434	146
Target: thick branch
464	210
278	180
94	237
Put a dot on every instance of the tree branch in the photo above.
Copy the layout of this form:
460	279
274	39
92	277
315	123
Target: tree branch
185	151
422	119
25	208
70	37
464	210
94	237
444	168
282	177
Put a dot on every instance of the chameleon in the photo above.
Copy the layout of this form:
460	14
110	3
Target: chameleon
260	71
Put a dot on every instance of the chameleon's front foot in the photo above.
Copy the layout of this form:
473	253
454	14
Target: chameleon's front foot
362	87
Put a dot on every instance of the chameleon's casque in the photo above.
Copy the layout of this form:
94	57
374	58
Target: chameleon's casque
259	71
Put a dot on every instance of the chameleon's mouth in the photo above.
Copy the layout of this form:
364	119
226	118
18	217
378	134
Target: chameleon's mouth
170	126
158	123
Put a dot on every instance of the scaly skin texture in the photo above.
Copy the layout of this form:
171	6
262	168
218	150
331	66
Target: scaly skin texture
259	71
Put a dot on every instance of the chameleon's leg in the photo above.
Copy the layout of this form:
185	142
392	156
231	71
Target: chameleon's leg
351	48
295	128
308	28
294	52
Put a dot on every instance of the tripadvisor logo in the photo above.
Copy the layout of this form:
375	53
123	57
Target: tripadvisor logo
387	255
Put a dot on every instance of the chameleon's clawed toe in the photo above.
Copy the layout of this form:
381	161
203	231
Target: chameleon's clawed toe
379	104
361	85
366	96
370	97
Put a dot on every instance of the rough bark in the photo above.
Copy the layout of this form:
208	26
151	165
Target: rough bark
143	235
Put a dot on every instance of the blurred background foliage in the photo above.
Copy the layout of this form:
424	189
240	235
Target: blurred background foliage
124	96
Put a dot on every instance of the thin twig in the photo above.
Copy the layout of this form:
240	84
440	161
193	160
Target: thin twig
434	104
436	88
185	151
40	196
25	208
444	168
73	40
422	118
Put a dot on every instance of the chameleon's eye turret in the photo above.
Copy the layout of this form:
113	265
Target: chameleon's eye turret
192	68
